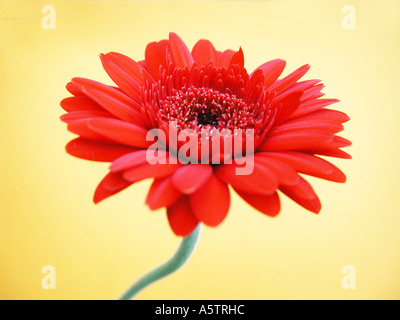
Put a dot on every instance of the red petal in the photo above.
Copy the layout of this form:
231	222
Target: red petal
261	181
95	151
204	52
310	164
125	73
267	204
131	67
256	77
150	171
129	160
296	140
120	131
80	103
139	157
325	115
116	103
113	92
285	174
301	190
162	193
330	148
86	114
73	89
179	51
225	58
210	204
111	184
155	56
337	142
312	105
287	106
189	178
80	127
238	59
337	153
180	217
303	194
286	82
300	124
313	92
272	70
299	86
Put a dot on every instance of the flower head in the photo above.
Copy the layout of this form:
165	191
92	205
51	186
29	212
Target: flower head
138	126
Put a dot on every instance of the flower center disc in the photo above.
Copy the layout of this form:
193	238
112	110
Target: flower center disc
205	108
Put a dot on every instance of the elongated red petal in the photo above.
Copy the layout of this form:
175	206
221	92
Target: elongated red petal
255	78
285	174
204	52
311	106
336	152
337	142
272	70
179	51
80	103
120	131
138	158
112	101
304	195
106	92
133	68
260	181
111	184
96	151
296	140
162	193
286	82
155	56
225	57
86	114
147	170
300	124
301	190
129	160
189	178
238	59
288	106
81	127
267	204
181	218
310	164
333	116
73	89
126	78
302	86
210	204
312	93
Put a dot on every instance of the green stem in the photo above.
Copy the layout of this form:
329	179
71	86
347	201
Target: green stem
178	259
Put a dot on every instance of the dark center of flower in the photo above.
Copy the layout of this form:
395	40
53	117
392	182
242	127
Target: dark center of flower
207	117
197	108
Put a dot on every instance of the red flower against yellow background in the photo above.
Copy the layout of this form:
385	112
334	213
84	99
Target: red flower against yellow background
177	89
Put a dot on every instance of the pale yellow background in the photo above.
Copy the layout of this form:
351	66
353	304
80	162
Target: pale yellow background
46	213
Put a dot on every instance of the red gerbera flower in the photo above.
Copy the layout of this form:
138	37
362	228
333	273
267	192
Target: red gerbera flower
174	89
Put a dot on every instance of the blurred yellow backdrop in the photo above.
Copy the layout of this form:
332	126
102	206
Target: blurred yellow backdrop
46	212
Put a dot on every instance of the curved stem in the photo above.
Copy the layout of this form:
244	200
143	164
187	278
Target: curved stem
178	259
